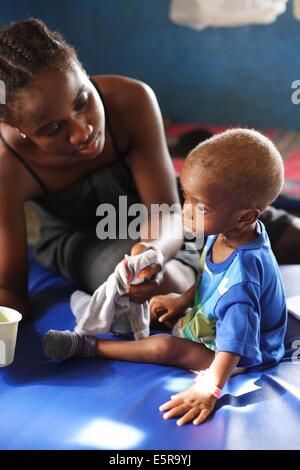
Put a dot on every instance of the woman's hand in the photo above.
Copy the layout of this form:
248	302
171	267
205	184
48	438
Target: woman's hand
164	308
192	403
151	274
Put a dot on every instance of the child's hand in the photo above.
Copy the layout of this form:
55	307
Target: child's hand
151	274
193	404
166	307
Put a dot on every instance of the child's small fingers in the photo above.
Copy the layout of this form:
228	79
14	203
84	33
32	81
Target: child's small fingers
160	309
152	306
167	316
154	301
189	416
169	405
180	396
202	416
178	410
162	318
157	311
165	406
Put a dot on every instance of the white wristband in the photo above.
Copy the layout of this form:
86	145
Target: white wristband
205	383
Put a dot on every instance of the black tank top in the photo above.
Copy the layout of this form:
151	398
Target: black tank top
32	172
75	205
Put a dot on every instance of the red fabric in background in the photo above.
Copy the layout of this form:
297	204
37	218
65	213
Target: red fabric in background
292	175
291	187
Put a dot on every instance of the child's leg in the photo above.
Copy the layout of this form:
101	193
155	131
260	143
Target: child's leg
158	349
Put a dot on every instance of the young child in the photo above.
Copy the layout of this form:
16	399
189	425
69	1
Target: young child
238	319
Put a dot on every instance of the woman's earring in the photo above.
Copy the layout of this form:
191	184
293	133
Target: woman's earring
23	135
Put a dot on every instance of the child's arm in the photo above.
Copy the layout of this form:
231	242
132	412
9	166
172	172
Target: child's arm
189	296
222	367
166	307
197	402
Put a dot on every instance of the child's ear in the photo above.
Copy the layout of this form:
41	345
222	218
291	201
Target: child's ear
249	216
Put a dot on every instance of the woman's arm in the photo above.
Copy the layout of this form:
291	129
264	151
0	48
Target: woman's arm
13	251
137	122
153	170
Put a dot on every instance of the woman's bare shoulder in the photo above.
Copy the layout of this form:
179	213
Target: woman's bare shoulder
116	82
129	103
123	92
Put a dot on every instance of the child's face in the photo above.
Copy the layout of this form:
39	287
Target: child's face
205	207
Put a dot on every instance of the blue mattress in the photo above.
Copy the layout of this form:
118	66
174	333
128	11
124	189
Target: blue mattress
103	404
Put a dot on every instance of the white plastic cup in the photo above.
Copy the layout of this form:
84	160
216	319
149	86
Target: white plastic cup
9	320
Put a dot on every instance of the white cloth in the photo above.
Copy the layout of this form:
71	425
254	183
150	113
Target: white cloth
108	310
200	14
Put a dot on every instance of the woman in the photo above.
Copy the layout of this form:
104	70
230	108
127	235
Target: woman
70	142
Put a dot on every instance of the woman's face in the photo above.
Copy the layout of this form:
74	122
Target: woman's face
64	114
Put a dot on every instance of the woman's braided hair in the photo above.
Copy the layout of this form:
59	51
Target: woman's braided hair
27	48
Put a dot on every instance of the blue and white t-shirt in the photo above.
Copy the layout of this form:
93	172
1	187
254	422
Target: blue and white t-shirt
240	304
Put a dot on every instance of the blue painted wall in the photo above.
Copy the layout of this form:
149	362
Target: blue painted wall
222	76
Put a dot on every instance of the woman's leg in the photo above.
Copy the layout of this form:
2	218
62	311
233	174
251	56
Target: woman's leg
80	254
284	233
158	349
287	249
89	261
178	277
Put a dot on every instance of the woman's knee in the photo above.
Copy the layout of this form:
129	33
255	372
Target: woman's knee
177	277
287	247
95	260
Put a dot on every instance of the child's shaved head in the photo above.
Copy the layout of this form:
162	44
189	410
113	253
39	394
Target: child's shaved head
243	164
